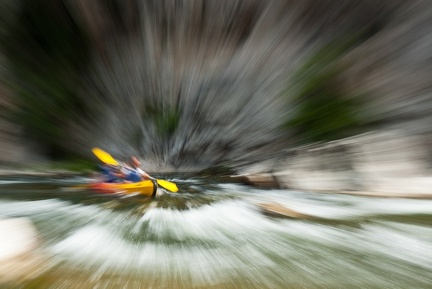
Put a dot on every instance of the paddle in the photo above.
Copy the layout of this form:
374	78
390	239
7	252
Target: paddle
108	159
105	157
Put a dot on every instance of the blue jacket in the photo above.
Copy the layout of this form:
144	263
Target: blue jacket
133	176
108	175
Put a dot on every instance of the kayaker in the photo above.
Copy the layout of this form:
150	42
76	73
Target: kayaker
136	165
131	175
132	171
111	174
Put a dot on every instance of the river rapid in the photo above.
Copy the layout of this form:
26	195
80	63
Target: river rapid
214	235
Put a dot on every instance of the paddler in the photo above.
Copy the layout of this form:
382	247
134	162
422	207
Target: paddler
136	165
111	174
133	173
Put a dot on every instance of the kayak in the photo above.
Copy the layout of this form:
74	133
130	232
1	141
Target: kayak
146	188
109	160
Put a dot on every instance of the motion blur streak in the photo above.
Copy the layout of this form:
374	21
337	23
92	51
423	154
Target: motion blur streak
310	95
221	239
194	84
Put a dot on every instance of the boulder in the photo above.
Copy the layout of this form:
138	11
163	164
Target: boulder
391	163
277	210
19	259
262	180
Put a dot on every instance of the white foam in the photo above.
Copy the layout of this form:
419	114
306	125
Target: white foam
213	222
49	207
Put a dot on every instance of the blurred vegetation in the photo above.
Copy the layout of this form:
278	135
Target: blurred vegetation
47	53
114	69
75	165
70	164
322	110
167	122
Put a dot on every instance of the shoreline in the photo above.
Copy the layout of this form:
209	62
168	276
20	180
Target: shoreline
255	180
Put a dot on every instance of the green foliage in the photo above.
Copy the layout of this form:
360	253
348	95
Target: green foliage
321	110
71	164
75	165
167	122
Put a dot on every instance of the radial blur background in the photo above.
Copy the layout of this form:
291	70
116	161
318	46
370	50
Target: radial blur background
297	97
199	84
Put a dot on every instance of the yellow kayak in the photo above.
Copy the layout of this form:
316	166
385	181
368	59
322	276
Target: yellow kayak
147	188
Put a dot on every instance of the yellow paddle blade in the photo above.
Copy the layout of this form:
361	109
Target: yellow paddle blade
104	157
168	185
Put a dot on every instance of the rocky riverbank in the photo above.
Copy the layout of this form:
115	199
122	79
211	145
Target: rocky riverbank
385	164
26	172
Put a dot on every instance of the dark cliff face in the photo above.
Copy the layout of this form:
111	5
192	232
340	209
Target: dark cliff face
203	83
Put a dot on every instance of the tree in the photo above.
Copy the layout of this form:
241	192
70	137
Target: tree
321	109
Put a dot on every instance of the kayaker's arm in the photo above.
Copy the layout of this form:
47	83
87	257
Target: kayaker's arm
143	173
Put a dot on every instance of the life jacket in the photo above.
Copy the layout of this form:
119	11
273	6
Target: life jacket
133	176
108	175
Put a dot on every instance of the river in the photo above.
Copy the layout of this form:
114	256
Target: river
214	235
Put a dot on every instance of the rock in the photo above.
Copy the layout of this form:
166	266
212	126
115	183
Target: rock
262	180
19	259
385	163
232	179
409	187
277	210
316	180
